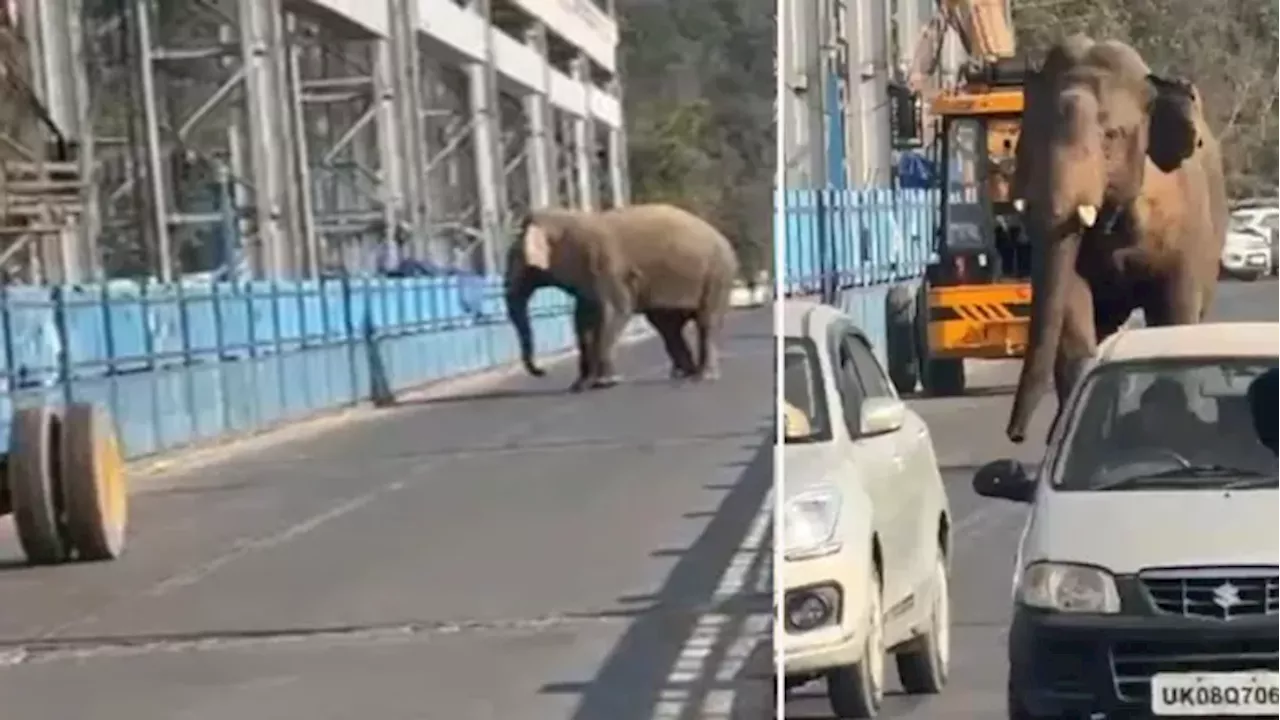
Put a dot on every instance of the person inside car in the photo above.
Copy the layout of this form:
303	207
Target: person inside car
1163	422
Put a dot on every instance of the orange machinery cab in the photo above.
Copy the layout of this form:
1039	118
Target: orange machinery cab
975	311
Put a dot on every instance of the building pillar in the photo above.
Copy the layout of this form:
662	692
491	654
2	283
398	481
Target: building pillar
584	137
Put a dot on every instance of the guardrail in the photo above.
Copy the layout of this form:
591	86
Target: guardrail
849	246
177	364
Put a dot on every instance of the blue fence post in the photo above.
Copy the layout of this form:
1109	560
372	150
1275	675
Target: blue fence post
251	337
188	361
353	350
64	342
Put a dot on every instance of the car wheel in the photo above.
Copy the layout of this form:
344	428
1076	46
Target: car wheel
857	691
924	666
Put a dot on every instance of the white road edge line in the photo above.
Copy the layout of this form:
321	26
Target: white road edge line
674	701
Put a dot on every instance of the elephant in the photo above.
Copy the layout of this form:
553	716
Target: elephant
1121	188
655	259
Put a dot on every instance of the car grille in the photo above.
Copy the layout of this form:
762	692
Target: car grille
1133	663
1216	593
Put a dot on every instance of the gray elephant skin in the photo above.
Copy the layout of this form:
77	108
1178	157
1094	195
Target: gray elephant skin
656	259
1121	186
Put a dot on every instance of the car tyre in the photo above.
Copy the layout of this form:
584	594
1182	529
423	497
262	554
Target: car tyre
857	691
923	667
900	336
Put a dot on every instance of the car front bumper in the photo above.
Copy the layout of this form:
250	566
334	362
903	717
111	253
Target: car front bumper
840	641
1100	666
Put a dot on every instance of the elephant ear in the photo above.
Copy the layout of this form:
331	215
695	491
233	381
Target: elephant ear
1172	136
536	247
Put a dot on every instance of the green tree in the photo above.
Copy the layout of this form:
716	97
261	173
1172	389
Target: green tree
699	102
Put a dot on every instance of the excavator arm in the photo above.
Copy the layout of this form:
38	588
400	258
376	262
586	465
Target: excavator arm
983	27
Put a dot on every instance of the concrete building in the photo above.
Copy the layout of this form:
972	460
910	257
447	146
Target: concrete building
299	137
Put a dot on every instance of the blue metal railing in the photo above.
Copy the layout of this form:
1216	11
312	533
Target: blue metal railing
855	238
850	246
179	363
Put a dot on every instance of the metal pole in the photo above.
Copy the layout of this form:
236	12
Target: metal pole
584	136
302	160
154	153
262	103
535	110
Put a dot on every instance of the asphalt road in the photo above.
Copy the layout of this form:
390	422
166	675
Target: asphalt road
968	432
514	552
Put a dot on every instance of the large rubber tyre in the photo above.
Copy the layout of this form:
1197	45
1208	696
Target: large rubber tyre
857	691
900	338
94	483
944	377
923	668
32	477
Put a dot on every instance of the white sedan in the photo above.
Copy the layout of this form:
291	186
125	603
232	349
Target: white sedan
866	522
1147	575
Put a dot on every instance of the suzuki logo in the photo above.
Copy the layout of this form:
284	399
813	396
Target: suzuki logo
1226	596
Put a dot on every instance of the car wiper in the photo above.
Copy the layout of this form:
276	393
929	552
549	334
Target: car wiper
1191	471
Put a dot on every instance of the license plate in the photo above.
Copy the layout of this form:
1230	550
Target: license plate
1215	694
1255	260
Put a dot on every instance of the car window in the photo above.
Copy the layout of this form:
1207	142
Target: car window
804	404
1164	424
1270	221
874	382
850	388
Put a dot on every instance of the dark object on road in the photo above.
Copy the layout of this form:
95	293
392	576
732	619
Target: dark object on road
1263	400
1107	243
654	259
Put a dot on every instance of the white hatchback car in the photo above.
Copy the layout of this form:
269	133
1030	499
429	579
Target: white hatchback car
866	522
1148	575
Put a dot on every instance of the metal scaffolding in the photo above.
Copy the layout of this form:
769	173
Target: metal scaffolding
840	56
266	138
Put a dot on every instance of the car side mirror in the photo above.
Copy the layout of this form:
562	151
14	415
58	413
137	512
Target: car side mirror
1005	480
882	415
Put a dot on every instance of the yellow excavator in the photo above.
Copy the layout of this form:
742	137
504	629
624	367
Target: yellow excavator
975	298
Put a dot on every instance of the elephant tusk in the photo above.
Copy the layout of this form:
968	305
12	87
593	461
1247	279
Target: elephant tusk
1019	204
1088	215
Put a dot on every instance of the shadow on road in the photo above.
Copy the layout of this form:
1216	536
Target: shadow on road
675	658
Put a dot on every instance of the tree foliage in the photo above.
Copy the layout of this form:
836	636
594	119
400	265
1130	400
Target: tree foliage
1229	49
699	98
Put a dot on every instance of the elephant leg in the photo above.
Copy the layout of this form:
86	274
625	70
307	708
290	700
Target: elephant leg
615	312
586	328
670	327
708	323
1178	301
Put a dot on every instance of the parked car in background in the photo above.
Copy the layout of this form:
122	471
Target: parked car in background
866	521
1247	253
1261	216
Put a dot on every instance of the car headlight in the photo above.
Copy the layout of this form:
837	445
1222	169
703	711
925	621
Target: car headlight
809	524
1069	588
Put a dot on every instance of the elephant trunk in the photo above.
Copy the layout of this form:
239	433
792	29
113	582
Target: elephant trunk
1051	290
518	294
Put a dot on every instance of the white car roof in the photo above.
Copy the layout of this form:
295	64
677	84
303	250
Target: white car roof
802	318
1220	339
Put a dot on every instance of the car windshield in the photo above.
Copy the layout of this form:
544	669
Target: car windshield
1166	425
804	403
